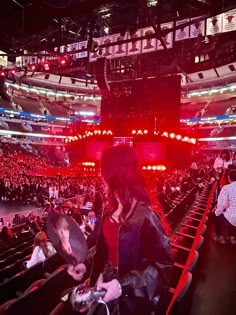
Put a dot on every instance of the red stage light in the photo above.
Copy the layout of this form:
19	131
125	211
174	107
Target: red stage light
133	132
139	132
2	73
165	134
144	168
163	168
149	167
178	137
185	139
13	71
104	132
33	68
154	168
145	131
63	61
172	135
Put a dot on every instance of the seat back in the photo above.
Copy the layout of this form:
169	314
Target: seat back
52	263
27	304
180	291
57	282
8	288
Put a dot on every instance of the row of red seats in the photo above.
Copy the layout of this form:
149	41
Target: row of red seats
186	246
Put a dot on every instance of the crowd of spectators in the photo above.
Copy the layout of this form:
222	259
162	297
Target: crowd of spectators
17	184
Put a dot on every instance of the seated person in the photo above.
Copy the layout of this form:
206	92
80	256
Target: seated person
42	250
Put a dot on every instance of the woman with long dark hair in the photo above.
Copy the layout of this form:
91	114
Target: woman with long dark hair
133	259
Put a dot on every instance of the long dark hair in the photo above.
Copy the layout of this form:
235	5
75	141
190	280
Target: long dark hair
119	168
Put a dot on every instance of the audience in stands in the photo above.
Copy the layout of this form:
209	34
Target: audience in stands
222	161
42	249
34	228
7	237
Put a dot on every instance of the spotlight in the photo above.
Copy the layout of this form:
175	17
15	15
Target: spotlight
149	167
139	132
185	139
178	137
13	71
46	66
145	132
193	141
165	134
172	135
144	168
133	132
33	67
62	61
2	73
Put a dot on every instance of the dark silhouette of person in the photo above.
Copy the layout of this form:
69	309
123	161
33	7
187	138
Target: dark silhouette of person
95	53
134	43
107	52
165	37
148	40
120	49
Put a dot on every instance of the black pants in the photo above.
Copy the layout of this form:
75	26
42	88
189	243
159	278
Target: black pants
223	227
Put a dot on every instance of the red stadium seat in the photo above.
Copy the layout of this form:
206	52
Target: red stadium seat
180	291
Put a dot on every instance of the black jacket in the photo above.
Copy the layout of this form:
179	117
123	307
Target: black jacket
144	256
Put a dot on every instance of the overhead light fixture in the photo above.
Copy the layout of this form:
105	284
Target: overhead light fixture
151	3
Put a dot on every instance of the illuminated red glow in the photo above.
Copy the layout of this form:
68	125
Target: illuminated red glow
99	132
63	61
88	134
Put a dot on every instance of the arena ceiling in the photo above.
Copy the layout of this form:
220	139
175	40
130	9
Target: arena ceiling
43	24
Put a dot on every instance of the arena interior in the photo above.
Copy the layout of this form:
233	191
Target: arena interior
78	77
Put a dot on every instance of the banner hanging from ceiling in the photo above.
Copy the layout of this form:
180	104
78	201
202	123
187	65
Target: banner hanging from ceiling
183	32
214	25
225	22
229	21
